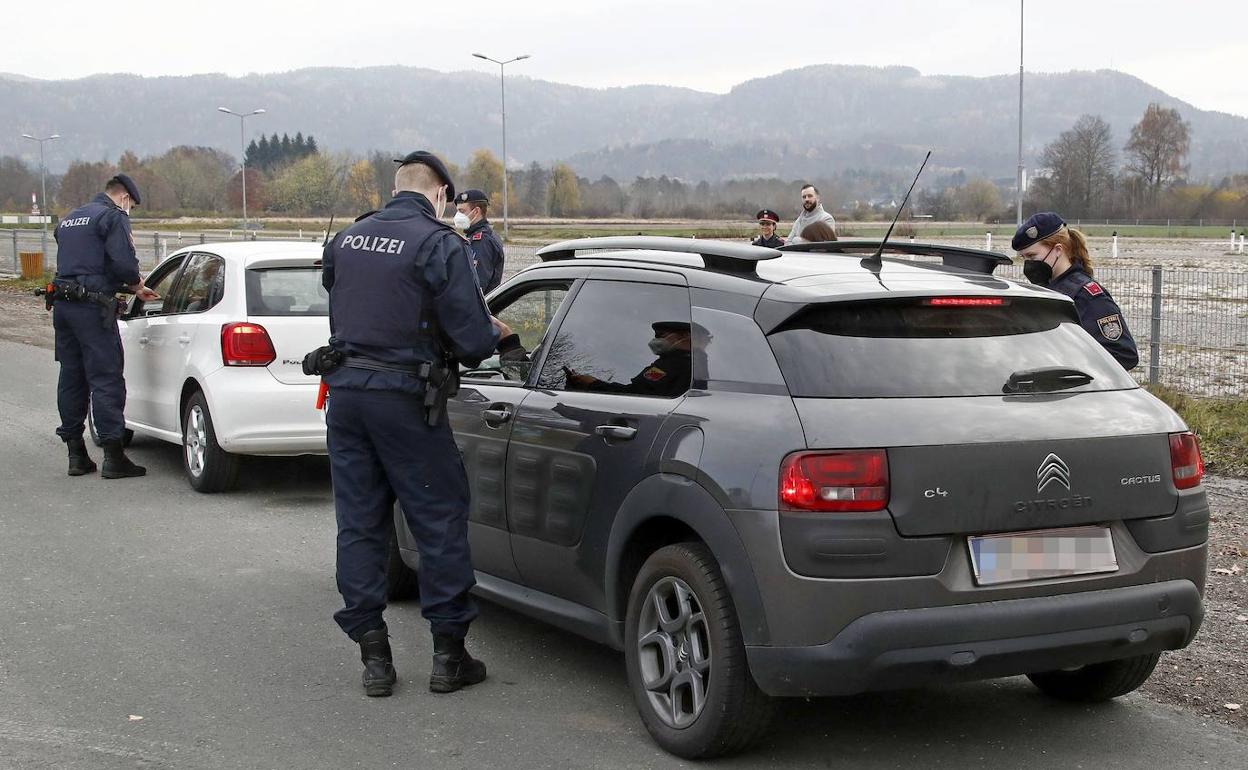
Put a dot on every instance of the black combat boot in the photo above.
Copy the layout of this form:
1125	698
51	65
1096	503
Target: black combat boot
453	667
379	673
80	463
117	465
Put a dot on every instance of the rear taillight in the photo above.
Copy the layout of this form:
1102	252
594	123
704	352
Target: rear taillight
1186	465
834	481
965	302
246	344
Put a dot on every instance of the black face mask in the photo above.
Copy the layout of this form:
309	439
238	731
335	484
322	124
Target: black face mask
1038	272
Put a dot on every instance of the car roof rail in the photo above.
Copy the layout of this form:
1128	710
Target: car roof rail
717	256
962	258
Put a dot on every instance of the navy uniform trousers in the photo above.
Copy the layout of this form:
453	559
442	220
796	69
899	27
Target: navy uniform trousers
89	352
381	450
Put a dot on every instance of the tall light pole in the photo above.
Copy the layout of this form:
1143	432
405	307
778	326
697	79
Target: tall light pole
502	86
242	151
1019	214
43	184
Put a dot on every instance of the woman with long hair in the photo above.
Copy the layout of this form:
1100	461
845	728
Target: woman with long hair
1056	256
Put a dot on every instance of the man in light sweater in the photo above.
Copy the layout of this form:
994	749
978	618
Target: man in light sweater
812	211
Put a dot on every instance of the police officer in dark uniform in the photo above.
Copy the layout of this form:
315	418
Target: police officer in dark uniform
1057	256
667	376
95	260
404	306
767	221
486	247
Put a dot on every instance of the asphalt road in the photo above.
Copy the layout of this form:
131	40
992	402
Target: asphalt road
145	626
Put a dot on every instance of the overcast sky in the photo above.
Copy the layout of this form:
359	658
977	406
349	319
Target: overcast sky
1195	51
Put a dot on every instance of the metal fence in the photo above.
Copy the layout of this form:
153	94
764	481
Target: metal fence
1191	326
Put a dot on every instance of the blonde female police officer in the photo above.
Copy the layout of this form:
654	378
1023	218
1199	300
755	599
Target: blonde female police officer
403	297
1056	256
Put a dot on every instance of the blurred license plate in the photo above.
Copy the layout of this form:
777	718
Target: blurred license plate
1016	556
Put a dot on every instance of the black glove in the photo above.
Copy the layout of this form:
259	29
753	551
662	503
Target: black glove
322	361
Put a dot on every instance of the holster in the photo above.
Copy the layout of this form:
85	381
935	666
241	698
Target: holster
441	384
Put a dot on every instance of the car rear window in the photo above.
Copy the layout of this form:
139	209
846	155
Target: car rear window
286	291
909	348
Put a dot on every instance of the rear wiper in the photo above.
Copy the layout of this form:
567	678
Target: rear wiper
1045	379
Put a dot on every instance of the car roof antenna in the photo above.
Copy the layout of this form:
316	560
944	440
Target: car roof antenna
875	261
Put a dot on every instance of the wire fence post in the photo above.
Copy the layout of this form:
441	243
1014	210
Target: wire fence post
1154	337
17	270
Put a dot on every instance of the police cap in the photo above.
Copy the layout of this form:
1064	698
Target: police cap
1036	228
474	195
767	215
433	162
128	183
667	327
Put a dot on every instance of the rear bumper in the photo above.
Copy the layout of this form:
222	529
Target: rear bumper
905	648
255	414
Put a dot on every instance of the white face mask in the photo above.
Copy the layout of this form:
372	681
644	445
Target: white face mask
660	346
462	220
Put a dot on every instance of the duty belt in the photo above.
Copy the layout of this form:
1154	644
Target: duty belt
421	370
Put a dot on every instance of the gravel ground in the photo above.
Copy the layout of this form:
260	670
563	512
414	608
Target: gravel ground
1210	677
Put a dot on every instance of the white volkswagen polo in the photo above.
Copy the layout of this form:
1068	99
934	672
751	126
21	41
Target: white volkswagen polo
216	363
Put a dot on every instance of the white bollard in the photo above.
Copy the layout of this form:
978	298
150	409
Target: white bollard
1241	243
1115	246
301	233
1232	240
988	242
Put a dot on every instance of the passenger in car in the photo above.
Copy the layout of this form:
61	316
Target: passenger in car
1056	256
667	376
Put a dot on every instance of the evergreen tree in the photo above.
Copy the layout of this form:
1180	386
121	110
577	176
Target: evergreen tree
264	153
312	150
285	156
299	148
251	156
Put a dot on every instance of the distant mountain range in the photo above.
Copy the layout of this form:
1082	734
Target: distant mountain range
809	122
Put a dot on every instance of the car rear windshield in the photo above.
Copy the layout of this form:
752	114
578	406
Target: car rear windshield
912	348
286	291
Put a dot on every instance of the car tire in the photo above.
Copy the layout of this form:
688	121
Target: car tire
127	435
208	467
402	582
1097	681
681	636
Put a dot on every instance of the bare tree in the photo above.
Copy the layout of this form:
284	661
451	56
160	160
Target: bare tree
1158	148
1081	169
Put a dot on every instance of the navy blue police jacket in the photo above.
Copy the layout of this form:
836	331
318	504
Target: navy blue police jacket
402	290
487	254
1099	314
94	246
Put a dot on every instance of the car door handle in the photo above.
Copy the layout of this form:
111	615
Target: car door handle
497	415
618	432
144	340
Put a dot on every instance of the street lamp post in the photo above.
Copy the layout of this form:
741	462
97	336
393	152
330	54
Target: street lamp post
502	87
1019	212
43	185
242	151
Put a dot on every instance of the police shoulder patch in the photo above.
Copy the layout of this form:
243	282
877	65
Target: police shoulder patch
654	374
1111	326
1093	288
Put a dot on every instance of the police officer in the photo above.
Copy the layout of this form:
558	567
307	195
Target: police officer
486	247
403	301
767	221
95	260
1056	256
667	376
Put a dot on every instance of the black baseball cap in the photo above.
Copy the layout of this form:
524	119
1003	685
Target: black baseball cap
128	183
433	162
